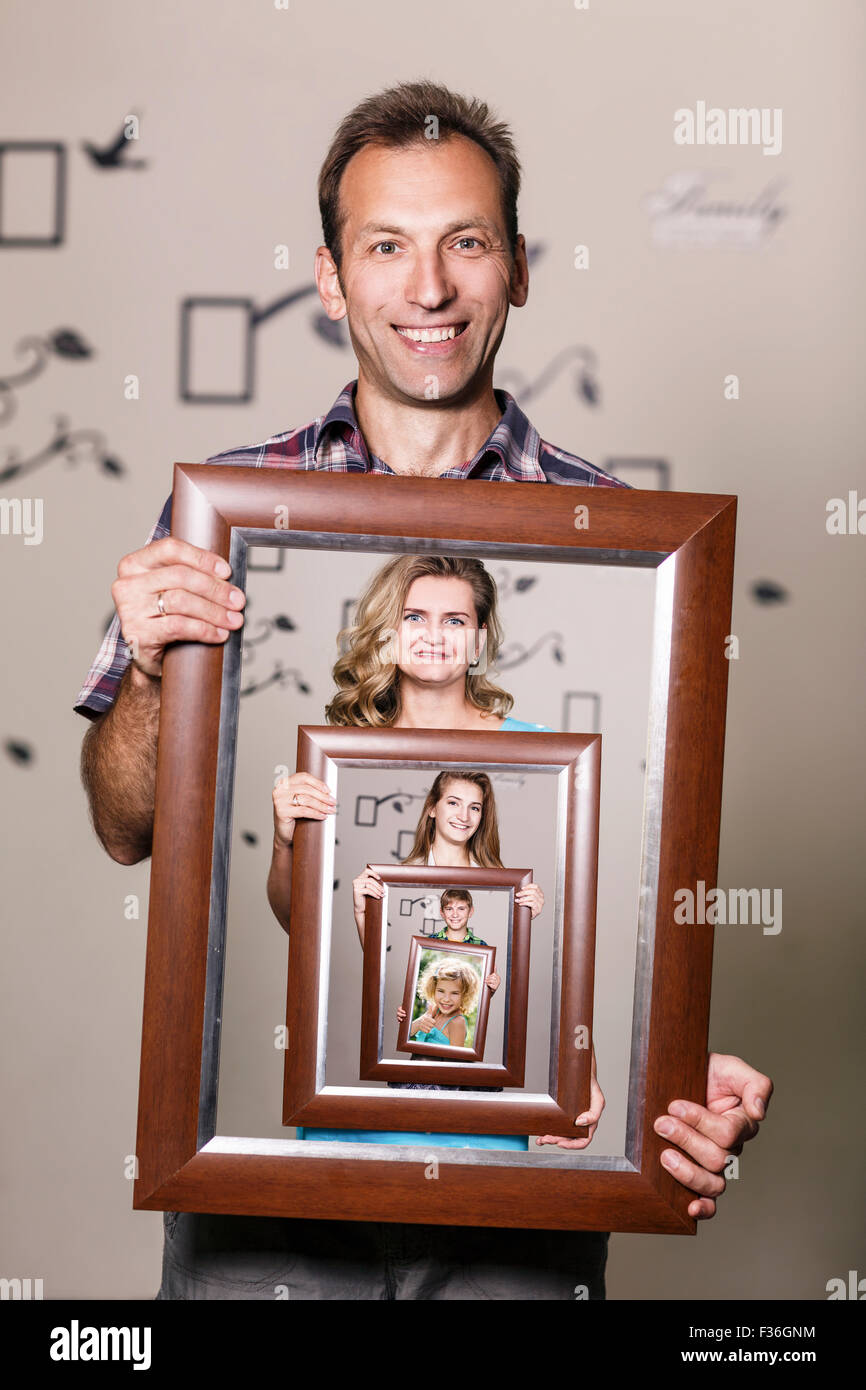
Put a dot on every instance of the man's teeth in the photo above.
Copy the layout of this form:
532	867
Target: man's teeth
431	335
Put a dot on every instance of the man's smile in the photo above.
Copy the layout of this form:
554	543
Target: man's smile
432	340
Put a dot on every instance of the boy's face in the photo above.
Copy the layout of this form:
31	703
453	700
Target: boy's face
424	251
457	914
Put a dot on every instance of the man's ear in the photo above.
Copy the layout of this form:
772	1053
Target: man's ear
519	288
328	284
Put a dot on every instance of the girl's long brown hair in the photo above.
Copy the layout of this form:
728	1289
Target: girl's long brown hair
367	676
484	844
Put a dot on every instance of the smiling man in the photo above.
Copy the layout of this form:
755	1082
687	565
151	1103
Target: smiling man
422	256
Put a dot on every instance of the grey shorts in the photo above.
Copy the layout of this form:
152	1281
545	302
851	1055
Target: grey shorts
265	1258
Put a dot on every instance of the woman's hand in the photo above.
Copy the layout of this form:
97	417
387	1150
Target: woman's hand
493	981
589	1117
299	797
532	897
367	885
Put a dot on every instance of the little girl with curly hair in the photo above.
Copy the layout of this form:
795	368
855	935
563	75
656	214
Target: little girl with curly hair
451	988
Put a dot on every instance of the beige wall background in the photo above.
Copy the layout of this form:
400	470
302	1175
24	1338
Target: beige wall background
237	104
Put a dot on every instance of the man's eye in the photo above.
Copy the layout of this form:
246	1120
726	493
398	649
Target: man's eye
464	239
389	246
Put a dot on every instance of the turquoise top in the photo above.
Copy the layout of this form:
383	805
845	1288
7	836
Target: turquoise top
435	1035
448	1141
513	726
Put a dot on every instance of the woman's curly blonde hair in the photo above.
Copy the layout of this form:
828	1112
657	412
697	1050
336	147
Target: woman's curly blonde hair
451	968
367	675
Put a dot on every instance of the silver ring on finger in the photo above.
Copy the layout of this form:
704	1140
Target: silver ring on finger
160	605
295	800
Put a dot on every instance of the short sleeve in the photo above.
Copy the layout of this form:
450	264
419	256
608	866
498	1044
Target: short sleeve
99	690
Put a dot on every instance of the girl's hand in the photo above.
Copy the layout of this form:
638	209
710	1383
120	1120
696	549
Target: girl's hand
401	1014
589	1117
532	897
493	981
366	885
299	797
425	1022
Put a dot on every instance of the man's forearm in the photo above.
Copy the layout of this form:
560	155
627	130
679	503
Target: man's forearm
118	768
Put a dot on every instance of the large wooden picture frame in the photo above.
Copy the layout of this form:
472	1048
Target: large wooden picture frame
183	1163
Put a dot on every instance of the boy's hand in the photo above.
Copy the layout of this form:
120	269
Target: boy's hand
493	981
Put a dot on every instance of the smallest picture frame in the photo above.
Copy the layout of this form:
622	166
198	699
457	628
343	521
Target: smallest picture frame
470	1002
446	1064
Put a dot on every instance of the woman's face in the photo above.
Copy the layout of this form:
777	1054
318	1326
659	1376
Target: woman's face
439	635
457	813
448	995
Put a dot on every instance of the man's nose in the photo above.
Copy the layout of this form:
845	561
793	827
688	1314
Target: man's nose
428	282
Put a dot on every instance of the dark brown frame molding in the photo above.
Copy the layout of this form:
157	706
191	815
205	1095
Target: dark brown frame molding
575	759
183	1163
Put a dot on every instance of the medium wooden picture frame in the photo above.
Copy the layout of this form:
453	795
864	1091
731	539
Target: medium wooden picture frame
575	761
183	1162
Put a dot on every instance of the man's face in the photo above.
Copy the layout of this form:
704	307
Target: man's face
427	275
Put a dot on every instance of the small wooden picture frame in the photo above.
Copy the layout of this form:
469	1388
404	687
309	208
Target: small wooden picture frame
482	962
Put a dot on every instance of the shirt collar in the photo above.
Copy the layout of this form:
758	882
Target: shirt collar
512	451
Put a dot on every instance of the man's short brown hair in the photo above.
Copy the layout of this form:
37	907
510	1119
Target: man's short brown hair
404	115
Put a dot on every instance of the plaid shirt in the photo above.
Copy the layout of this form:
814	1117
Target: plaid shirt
515	453
470	939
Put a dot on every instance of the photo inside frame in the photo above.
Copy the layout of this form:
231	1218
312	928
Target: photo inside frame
446	990
576	657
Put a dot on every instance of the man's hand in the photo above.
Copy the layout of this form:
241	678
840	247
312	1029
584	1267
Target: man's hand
737	1100
198	603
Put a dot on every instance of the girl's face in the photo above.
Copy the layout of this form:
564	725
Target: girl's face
439	635
448	995
457	813
456	914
